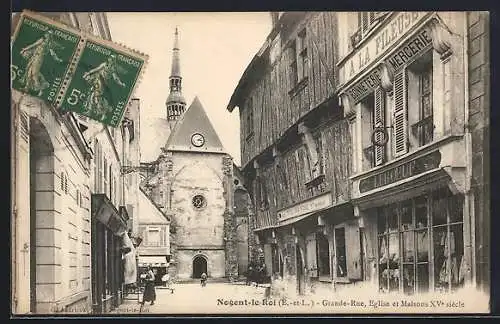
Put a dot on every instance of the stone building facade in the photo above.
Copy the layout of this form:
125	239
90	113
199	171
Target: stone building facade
65	167
478	42
405	82
190	177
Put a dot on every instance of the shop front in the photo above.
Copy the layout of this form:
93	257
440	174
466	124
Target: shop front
313	244
402	88
158	264
110	247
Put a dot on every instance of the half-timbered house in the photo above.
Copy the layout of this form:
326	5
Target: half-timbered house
296	153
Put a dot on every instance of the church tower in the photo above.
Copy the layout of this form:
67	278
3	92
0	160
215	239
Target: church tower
176	104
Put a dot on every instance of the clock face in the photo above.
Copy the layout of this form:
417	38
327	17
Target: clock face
197	140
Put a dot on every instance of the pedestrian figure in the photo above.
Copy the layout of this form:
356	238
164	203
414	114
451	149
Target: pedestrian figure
203	279
167	282
249	276
149	289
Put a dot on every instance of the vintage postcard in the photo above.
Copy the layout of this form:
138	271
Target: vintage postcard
250	163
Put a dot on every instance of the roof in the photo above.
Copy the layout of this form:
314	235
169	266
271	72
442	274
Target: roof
161	130
194	120
149	213
260	58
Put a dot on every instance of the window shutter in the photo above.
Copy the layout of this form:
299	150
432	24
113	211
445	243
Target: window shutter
312	262
379	119
364	21
353	251
400	118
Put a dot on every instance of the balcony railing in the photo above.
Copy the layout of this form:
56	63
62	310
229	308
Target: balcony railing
423	130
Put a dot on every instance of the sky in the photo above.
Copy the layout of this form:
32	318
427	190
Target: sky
215	49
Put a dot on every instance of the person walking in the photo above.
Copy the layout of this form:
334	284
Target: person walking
203	279
149	289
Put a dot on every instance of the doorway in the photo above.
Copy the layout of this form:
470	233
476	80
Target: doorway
199	266
41	196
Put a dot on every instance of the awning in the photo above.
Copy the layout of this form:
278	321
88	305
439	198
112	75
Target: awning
152	260
106	213
301	217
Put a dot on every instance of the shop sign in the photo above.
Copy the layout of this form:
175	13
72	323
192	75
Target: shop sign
308	206
400	172
364	87
411	49
376	46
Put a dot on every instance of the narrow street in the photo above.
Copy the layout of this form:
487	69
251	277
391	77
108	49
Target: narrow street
191	298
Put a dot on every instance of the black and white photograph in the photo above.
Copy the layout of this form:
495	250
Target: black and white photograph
284	162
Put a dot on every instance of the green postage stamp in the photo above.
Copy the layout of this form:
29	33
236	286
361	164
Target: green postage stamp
72	70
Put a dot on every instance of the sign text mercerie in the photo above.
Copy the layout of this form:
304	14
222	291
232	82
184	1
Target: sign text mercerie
376	46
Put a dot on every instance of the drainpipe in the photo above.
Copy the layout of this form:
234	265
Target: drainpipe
469	194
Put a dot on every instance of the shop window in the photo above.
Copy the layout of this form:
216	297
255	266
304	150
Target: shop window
448	242
323	255
340	253
249	118
404	236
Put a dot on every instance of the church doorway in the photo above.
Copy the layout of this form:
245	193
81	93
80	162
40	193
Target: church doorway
199	266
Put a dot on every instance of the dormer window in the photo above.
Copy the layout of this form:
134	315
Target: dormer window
368	19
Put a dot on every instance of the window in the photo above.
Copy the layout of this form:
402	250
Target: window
323	255
199	201
420	100
154	237
299	60
303	60
293	72
408	260
263	196
249	116
367	20
340	252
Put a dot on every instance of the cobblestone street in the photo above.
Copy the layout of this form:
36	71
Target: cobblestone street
191	298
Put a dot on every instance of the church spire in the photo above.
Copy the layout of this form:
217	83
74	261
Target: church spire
176	104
